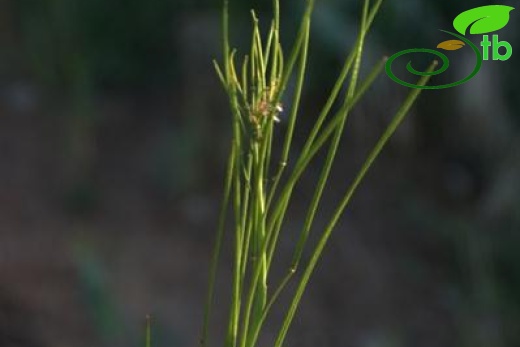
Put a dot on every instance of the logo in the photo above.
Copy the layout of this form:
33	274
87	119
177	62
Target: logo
480	21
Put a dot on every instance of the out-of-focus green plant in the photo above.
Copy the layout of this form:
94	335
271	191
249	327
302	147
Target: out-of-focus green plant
109	43
260	193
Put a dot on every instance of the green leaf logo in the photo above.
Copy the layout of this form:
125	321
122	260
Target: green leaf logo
482	20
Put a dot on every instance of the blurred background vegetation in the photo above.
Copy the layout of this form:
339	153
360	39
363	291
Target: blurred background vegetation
113	134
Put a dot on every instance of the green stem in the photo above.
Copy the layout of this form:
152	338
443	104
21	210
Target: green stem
148	337
328	105
331	155
302	163
294	112
216	249
397	119
270	304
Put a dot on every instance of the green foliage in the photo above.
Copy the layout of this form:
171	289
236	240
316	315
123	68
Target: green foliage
258	189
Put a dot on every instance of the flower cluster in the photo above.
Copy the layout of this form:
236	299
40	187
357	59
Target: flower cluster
264	109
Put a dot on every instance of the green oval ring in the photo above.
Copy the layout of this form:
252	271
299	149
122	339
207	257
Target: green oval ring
445	64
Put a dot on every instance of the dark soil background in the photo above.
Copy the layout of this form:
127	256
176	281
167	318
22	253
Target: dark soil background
113	138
